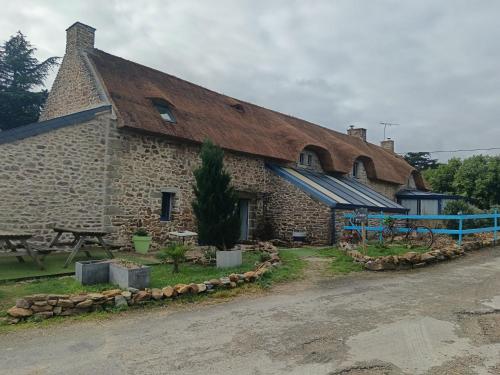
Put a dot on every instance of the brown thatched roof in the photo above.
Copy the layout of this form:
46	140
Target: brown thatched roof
233	124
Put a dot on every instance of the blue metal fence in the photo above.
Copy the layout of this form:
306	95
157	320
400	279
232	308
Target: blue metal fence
495	228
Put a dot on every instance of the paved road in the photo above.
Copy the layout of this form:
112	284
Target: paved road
437	320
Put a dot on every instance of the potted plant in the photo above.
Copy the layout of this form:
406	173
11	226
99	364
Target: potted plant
141	240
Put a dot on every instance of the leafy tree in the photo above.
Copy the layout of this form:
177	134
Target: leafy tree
421	160
477	178
442	177
216	203
20	74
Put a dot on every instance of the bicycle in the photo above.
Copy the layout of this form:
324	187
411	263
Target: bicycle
416	235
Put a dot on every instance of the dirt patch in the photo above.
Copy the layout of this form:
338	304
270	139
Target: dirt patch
459	365
481	327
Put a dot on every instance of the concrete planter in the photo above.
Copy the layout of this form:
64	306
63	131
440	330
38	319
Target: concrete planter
231	258
92	272
138	278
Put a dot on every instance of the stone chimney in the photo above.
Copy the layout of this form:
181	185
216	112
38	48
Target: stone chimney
79	37
388	144
357	132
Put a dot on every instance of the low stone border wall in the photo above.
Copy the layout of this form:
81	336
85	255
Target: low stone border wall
413	259
43	306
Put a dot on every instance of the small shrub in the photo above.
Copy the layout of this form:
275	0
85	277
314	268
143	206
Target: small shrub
461	207
264	256
141	232
176	252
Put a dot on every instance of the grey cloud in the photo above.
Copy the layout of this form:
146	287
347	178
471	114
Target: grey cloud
431	66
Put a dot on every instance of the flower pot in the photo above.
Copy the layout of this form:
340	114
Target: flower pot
230	258
141	243
124	277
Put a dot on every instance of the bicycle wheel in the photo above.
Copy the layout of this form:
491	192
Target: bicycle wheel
420	236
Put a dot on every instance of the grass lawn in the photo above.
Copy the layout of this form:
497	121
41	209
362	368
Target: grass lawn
11	269
375	250
341	263
161	276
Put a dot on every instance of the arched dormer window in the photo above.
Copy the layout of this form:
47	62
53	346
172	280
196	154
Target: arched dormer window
164	109
310	160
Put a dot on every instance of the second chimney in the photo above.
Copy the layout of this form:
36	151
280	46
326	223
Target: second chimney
388	144
79	37
357	132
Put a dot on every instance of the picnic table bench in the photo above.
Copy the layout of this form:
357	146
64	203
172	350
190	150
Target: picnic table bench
81	237
17	246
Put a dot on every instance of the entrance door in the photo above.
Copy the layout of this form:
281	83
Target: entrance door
243	207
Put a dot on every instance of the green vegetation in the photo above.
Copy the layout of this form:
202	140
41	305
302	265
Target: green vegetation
161	276
175	252
378	250
216	202
341	262
11	269
20	75
421	160
476	178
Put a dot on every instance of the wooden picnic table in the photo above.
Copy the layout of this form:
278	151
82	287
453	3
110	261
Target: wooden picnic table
81	237
10	238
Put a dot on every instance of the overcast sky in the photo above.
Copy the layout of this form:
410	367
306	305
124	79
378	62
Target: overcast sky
431	66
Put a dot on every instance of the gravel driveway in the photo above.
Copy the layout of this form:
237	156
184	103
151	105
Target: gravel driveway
436	320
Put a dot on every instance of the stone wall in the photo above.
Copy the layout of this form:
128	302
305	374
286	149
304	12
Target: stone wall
141	166
55	177
289	209
74	88
384	188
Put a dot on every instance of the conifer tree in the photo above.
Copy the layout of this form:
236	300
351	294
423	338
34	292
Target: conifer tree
216	203
20	74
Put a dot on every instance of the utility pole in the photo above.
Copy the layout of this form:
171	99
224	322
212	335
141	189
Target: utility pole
386	124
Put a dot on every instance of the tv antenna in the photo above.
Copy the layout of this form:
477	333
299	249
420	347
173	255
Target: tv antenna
386	124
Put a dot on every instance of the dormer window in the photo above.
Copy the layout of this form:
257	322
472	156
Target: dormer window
238	107
164	110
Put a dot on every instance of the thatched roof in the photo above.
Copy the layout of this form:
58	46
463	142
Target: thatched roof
233	124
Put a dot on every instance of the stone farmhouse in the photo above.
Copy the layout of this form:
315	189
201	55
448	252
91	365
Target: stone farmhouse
117	144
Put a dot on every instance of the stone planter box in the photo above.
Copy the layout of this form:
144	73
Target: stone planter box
124	277
92	272
231	258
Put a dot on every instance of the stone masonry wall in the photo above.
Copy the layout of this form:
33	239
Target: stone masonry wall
74	88
289	209
141	166
384	188
55	177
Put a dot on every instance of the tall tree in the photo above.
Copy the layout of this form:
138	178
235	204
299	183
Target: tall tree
20	74
421	160
476	177
442	177
216	203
